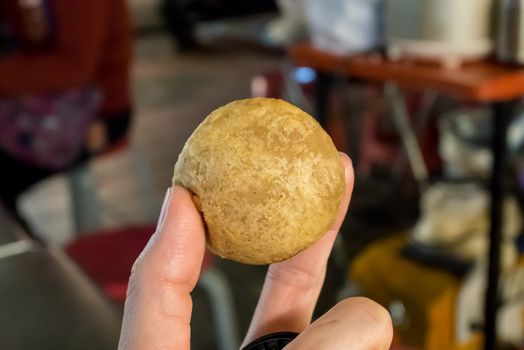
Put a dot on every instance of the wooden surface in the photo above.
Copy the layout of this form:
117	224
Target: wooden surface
482	81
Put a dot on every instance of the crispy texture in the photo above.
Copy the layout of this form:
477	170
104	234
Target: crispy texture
266	177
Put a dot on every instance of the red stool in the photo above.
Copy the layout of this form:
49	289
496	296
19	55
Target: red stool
107	257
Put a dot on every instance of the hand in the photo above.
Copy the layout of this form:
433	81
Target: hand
158	307
97	138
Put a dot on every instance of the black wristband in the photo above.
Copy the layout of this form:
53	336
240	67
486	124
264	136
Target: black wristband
273	341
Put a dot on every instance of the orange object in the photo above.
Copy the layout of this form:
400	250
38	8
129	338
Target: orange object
91	44
483	81
428	294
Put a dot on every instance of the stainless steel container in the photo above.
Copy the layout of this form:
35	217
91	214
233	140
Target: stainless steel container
443	30
510	31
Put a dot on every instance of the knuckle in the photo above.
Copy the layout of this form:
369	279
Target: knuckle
294	276
174	284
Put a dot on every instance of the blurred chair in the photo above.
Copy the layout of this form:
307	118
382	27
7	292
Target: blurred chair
107	256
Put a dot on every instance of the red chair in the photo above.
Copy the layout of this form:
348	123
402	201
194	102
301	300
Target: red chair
107	257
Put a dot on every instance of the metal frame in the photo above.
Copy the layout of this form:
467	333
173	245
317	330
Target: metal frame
502	113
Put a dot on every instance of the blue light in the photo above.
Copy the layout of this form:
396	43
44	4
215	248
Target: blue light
304	75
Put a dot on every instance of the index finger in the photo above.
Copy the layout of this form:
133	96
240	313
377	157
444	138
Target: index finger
292	287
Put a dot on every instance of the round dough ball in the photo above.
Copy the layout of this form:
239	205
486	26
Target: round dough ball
266	177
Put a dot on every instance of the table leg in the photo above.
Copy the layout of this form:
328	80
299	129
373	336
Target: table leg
501	116
421	120
85	204
407	134
323	90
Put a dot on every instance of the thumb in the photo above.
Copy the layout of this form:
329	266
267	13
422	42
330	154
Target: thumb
353	324
158	306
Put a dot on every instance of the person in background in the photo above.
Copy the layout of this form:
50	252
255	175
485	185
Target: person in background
49	46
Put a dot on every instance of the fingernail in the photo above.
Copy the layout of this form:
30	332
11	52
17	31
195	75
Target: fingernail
165	203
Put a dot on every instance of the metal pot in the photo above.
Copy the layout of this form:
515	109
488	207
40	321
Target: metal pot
439	29
510	31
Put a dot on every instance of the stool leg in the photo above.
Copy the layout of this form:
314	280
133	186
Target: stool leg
407	134
84	201
146	182
421	119
215	285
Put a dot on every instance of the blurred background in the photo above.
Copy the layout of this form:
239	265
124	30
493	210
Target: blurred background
97	99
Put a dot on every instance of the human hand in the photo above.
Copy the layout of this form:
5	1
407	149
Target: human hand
158	307
96	139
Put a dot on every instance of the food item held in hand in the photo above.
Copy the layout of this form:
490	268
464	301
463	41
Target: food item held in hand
266	177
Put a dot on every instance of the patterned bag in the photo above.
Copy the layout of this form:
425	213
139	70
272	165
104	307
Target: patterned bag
47	131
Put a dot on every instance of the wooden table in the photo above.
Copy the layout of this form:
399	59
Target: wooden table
482	81
485	82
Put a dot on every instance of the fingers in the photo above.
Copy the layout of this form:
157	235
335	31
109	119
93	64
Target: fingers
292	287
353	324
158	307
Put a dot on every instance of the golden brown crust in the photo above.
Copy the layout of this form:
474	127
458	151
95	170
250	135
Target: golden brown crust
267	177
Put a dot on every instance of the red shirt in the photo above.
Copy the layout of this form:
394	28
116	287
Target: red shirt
91	45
